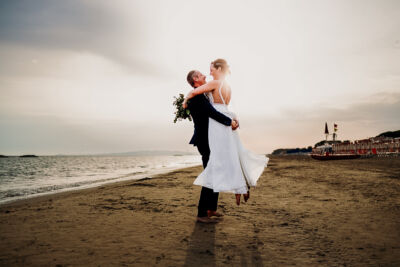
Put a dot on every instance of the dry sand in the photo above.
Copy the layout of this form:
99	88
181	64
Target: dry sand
303	212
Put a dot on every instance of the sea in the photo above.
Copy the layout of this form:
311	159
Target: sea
26	177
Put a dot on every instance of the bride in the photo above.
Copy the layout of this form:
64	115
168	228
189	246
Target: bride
231	168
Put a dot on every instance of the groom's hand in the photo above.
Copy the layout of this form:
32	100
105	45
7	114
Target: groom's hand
235	124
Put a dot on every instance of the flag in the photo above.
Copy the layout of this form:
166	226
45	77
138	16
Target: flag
326	128
335	127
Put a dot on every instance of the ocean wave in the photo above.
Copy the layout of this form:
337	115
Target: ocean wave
21	179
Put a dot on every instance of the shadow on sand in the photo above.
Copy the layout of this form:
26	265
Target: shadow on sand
202	249
201	246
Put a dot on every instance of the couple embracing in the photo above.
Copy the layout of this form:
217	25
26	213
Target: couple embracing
228	166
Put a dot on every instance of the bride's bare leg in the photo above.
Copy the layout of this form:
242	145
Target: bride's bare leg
246	196
237	199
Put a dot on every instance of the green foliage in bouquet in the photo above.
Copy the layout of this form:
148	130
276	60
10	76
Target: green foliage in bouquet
180	113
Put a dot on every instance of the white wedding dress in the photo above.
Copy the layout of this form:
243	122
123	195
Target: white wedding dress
231	168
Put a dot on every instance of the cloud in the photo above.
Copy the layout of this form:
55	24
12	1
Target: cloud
105	60
384	106
301	127
78	26
46	135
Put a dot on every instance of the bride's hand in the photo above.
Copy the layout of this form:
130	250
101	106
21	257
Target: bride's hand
235	124
189	95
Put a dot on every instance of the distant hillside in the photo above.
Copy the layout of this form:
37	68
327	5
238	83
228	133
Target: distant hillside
284	151
393	134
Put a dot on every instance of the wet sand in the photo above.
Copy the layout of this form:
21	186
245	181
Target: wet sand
303	212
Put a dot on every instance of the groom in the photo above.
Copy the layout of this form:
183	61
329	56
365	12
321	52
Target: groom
201	110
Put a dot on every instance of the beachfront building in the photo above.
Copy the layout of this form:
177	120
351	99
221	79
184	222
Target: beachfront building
370	146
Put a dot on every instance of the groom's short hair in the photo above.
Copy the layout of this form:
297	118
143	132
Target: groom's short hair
189	77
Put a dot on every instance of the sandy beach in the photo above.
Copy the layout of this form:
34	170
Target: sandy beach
303	212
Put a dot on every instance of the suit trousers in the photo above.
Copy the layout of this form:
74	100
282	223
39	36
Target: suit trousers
208	199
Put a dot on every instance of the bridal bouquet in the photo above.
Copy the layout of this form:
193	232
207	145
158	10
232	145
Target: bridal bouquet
180	113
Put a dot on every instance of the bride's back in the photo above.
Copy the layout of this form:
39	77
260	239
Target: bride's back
225	93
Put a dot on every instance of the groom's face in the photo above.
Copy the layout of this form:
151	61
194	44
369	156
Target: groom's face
199	79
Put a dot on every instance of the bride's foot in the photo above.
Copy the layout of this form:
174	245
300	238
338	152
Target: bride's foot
246	196
237	199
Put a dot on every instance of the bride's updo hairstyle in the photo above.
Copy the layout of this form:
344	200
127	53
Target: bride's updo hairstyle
221	63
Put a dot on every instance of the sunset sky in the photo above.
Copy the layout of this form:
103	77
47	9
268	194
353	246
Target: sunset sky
79	77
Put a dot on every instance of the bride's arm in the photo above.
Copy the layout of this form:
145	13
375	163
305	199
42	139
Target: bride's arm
201	90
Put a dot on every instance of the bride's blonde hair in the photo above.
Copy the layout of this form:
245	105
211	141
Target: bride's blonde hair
221	63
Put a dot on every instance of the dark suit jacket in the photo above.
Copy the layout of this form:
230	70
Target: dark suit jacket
201	110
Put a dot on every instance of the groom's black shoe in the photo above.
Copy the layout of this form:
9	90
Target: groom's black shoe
206	220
